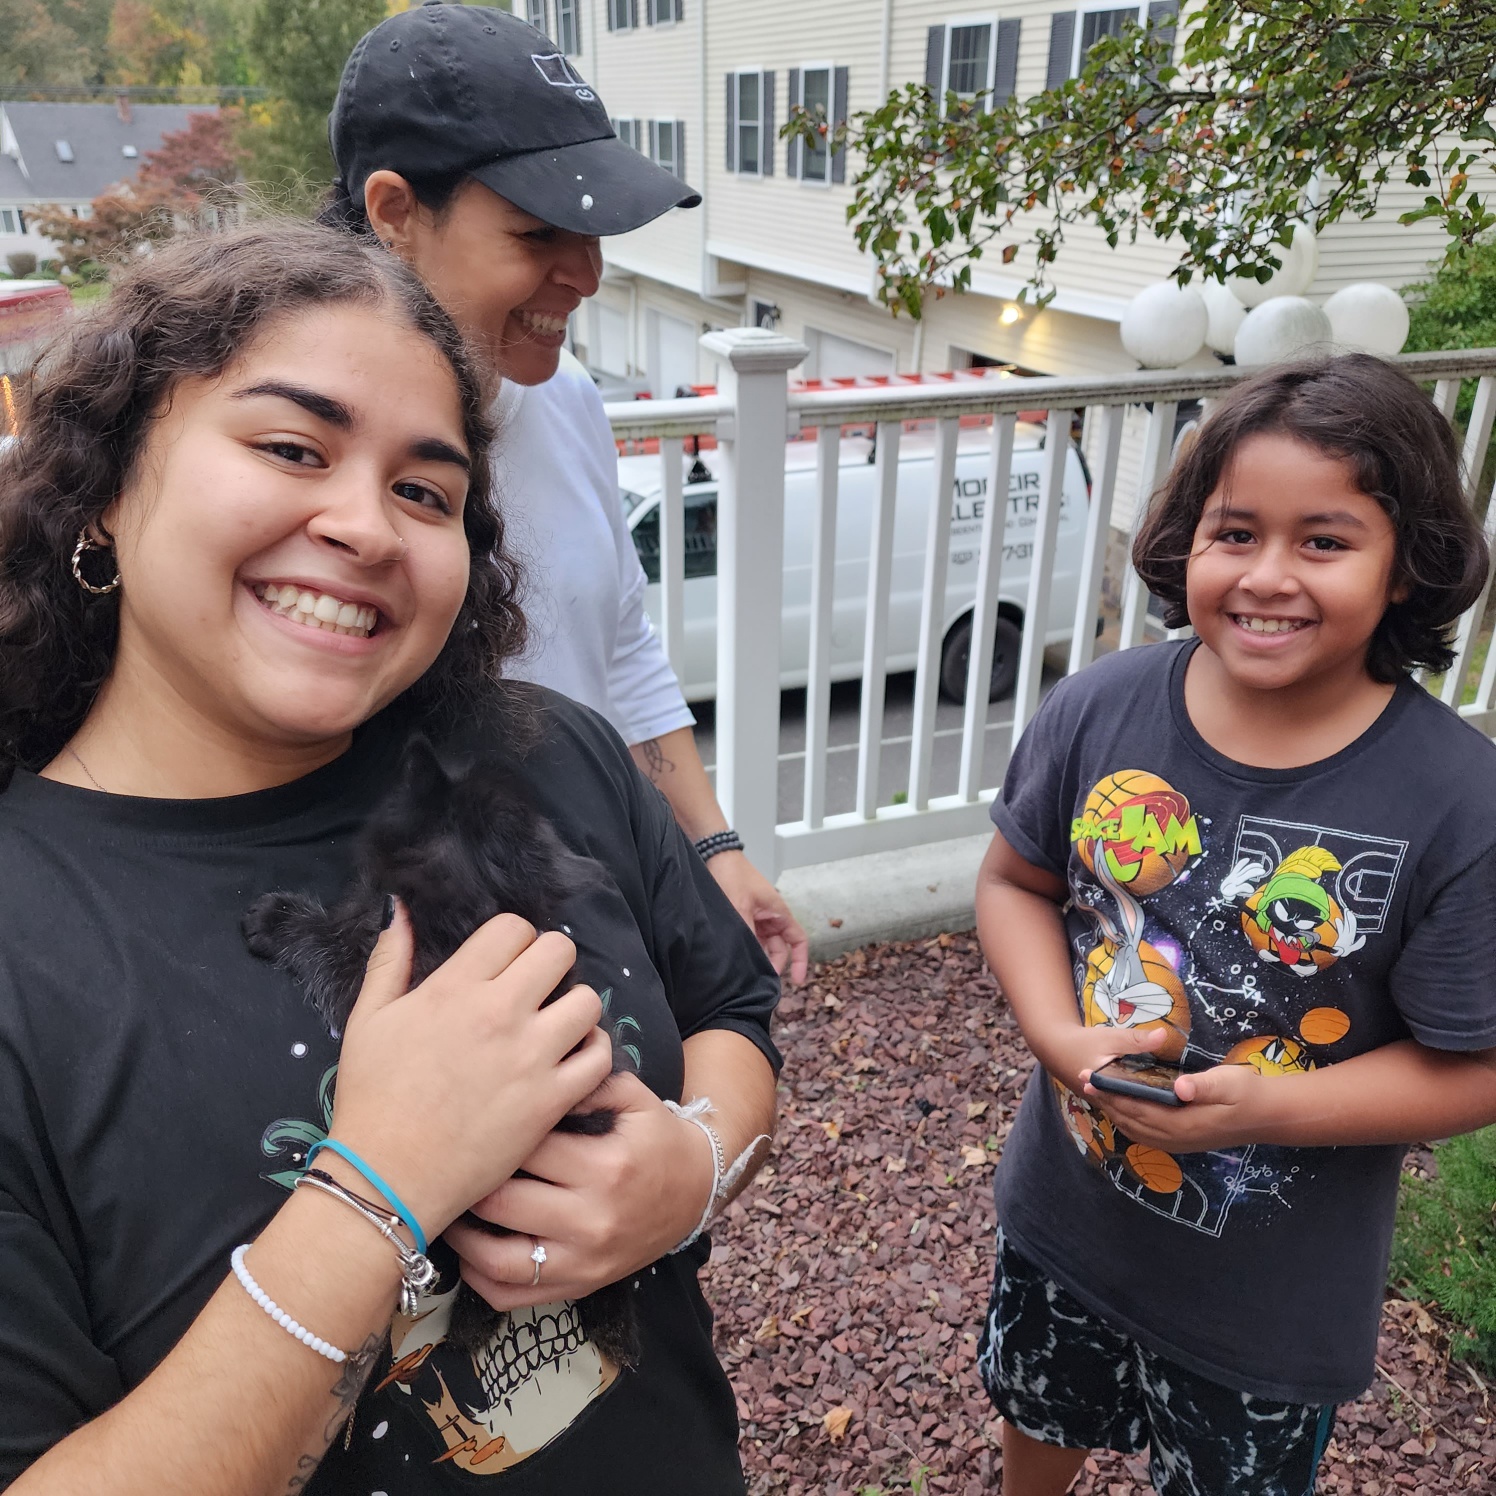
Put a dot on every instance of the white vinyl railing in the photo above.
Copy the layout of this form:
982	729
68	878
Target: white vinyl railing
751	416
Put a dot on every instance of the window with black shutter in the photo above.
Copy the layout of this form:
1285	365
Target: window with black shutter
1095	24
667	145
968	68
623	15
815	94
750	123
973	57
818	86
1072	34
535	14
569	26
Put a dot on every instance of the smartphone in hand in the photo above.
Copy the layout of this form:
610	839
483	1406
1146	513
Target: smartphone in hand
1139	1075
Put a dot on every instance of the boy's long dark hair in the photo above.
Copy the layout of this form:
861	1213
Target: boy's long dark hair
189	311
1402	453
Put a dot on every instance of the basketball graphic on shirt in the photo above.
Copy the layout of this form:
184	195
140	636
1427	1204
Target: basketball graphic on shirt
1270	1055
1140	830
1159	1171
1324	1026
1291	920
1134	987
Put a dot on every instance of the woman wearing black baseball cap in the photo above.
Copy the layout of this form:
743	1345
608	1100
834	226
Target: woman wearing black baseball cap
470	147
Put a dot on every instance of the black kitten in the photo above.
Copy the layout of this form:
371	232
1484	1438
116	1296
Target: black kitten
457	849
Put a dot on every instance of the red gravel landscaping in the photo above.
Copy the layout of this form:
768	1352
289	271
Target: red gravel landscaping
849	1280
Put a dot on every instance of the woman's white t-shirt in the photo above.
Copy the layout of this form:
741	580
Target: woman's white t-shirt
555	470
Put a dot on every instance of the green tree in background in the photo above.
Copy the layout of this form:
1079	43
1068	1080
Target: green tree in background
180	41
298	48
37	47
1456	306
1278	112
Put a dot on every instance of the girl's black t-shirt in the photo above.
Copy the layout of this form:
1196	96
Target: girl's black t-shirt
159	1089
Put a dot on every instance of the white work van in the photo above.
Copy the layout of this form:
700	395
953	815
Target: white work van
639	479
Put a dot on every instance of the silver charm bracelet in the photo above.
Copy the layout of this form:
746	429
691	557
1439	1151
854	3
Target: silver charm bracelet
417	1271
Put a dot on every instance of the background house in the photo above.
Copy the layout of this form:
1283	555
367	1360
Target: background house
703	86
69	153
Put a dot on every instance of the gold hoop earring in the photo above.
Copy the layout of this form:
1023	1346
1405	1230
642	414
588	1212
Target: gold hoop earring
87	543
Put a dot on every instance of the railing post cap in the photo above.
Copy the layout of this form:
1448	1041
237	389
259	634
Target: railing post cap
755	350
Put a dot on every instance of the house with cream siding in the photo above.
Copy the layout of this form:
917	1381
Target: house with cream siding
704	86
68	154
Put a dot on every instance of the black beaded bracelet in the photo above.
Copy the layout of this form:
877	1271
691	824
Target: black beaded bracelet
718	841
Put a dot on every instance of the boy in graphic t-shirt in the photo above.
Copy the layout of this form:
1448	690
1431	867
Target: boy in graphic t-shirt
1258	866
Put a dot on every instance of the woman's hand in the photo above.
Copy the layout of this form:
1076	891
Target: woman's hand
602	1207
765	912
446	1089
1226	1106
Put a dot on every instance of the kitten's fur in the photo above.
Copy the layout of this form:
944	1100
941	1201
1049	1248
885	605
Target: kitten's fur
457	849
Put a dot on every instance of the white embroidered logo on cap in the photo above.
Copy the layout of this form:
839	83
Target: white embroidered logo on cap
559	73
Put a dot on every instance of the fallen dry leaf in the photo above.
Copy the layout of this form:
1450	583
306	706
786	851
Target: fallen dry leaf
835	1423
975	1109
973	1158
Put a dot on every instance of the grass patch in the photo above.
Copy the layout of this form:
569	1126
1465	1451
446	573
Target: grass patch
84	293
1444	1252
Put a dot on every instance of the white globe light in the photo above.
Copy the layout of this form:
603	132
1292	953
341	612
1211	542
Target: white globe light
1282	329
1164	325
1225	313
1368	318
1298	264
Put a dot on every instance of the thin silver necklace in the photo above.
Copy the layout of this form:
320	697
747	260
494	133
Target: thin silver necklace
94	782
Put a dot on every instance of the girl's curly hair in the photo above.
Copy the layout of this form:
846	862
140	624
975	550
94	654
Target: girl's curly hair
188	311
1402	453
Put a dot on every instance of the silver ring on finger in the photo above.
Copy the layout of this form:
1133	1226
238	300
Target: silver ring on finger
537	1256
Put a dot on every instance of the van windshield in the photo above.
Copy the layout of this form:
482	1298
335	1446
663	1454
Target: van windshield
701	537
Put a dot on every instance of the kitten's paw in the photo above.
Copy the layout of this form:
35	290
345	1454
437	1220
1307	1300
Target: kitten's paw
273	922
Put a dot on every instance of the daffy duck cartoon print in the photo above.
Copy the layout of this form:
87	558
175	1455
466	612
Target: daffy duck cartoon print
1289	918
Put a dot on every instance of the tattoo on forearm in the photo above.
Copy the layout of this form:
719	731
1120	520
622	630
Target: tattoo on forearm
352	1375
654	758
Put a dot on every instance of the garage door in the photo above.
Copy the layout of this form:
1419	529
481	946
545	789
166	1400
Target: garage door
832	357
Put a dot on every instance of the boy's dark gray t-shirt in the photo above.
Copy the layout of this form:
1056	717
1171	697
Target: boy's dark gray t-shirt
1281	918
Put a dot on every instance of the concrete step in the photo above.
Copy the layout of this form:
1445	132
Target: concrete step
886	895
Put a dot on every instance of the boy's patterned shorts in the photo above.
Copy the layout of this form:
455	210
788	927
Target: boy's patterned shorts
1061	1375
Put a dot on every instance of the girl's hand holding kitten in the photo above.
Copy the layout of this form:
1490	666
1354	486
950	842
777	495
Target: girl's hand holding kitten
603	1207
446	1089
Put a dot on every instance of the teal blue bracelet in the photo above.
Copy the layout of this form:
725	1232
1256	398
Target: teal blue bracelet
396	1203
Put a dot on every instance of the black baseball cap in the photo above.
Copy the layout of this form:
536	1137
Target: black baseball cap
462	88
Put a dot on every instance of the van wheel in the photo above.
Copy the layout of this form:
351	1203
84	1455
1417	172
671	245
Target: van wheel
955	660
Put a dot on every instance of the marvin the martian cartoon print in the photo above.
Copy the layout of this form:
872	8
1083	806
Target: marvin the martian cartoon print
1235	945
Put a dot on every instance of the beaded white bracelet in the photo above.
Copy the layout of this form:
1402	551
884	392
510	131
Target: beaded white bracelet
279	1315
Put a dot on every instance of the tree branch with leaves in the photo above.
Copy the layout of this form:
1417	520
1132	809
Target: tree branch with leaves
1274	114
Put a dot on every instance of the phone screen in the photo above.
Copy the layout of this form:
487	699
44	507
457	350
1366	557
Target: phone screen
1138	1075
1145	1069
